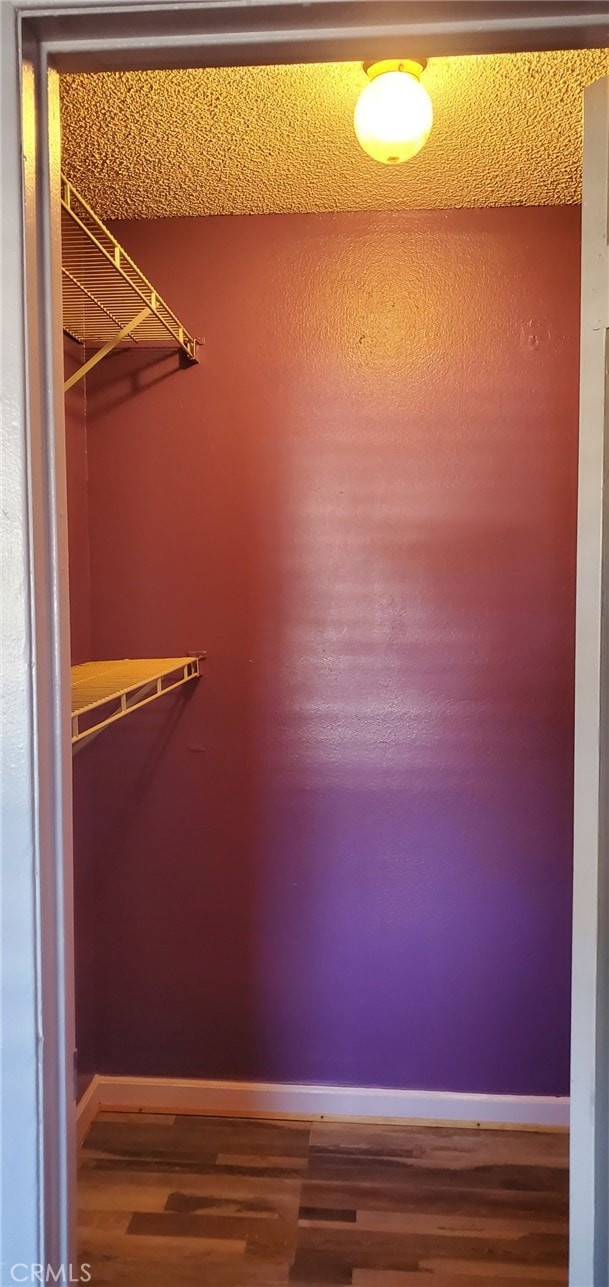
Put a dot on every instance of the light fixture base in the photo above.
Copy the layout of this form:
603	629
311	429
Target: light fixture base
413	66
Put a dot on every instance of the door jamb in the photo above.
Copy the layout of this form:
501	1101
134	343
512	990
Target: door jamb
88	35
590	943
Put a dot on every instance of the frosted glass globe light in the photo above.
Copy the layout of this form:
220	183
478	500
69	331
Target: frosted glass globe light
394	113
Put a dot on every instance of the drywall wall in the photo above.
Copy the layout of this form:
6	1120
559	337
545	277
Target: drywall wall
346	855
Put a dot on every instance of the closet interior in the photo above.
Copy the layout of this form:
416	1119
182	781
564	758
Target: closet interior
321	441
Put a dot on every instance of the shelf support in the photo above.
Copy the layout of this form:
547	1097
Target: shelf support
107	348
137	698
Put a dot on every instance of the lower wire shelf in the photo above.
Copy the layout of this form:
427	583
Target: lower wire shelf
105	691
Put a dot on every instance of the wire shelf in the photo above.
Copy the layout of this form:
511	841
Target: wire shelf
106	691
105	296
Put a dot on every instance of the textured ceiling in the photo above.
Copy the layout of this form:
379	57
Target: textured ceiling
264	139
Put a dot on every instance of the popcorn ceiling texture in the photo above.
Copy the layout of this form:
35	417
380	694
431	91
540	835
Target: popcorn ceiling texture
279	139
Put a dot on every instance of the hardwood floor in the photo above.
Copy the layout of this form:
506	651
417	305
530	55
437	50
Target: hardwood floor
221	1202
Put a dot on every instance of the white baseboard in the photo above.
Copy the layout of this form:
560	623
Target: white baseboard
260	1099
87	1108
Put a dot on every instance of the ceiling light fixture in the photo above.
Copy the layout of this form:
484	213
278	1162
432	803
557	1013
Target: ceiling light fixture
394	113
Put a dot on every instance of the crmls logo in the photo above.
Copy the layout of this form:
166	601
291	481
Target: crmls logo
47	1274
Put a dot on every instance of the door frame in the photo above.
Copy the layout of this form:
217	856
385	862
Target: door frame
37	40
590	934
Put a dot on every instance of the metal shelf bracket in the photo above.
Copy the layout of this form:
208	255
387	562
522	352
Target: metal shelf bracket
107	348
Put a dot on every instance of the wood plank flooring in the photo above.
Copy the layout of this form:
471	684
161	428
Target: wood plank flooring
221	1202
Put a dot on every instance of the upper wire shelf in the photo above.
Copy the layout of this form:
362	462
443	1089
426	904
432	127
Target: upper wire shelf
106	298
105	691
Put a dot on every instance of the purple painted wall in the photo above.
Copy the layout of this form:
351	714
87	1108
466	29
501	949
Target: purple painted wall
346	855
